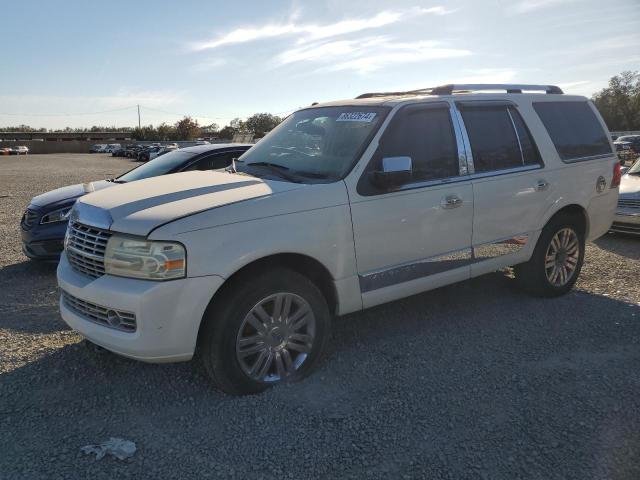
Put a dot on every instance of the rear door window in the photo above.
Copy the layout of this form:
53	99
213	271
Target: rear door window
499	138
574	129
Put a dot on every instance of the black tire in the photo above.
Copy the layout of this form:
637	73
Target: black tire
532	275
225	316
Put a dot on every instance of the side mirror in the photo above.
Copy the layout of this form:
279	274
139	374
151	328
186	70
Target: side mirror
395	171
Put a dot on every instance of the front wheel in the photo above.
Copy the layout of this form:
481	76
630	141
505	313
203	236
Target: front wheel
263	331
556	261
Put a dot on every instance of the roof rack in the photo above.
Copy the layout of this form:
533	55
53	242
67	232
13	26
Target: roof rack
465	88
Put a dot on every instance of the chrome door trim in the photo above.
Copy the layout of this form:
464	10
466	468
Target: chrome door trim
498	248
425	267
411	271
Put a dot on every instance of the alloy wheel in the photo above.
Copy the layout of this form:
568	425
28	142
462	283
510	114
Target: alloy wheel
276	337
562	256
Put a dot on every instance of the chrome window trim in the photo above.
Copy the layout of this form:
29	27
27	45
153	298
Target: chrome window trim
465	139
506	171
463	167
588	158
513	124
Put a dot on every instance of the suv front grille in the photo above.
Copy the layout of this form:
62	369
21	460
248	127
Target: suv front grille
107	317
629	202
28	219
85	249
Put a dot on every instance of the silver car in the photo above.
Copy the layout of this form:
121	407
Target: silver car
627	219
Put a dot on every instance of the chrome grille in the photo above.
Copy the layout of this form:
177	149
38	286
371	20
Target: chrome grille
629	202
28	219
107	317
85	249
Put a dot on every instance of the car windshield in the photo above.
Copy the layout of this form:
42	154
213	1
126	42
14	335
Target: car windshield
315	144
157	166
635	169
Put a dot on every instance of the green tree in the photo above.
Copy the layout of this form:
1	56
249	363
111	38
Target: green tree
166	132
619	103
227	133
261	123
187	129
211	129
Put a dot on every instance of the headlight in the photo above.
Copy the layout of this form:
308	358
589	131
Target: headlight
139	258
60	215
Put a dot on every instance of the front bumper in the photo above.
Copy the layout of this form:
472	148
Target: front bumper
627	220
43	242
168	314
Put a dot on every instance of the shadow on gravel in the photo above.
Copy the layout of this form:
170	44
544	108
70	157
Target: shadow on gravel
29	298
621	244
474	380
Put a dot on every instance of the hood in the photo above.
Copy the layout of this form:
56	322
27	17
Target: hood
139	207
630	186
69	193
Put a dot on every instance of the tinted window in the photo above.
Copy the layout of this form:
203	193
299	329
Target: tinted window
212	162
425	135
530	154
158	166
574	129
494	143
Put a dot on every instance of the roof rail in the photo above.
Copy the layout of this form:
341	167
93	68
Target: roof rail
460	88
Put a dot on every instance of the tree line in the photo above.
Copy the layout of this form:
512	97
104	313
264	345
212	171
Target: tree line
618	103
187	128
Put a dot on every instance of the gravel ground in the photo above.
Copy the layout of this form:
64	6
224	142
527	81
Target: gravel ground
471	381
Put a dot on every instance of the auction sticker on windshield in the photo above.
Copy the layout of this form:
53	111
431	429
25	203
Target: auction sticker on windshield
356	117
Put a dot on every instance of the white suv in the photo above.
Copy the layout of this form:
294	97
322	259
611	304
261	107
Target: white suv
344	206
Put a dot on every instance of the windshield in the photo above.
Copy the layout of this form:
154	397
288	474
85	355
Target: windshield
157	166
315	144
635	169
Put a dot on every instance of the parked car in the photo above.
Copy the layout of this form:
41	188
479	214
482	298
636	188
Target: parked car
343	206
632	140
44	222
118	152
20	150
98	148
111	147
627	219
153	151
131	151
5	151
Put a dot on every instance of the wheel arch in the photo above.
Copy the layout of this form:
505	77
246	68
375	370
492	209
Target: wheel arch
303	264
576	211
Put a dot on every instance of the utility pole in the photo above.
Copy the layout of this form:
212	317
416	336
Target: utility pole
138	116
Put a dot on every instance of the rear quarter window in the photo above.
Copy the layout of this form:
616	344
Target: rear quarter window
574	130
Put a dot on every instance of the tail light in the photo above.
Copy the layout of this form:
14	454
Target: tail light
617	175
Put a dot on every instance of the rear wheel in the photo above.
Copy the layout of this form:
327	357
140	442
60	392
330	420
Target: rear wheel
263	331
557	259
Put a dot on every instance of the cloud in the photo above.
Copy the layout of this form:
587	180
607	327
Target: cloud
311	32
528	6
367	54
208	65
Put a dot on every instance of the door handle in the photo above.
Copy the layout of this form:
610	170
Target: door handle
451	201
542	185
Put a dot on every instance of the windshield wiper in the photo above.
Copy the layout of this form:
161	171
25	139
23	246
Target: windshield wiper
281	170
115	180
